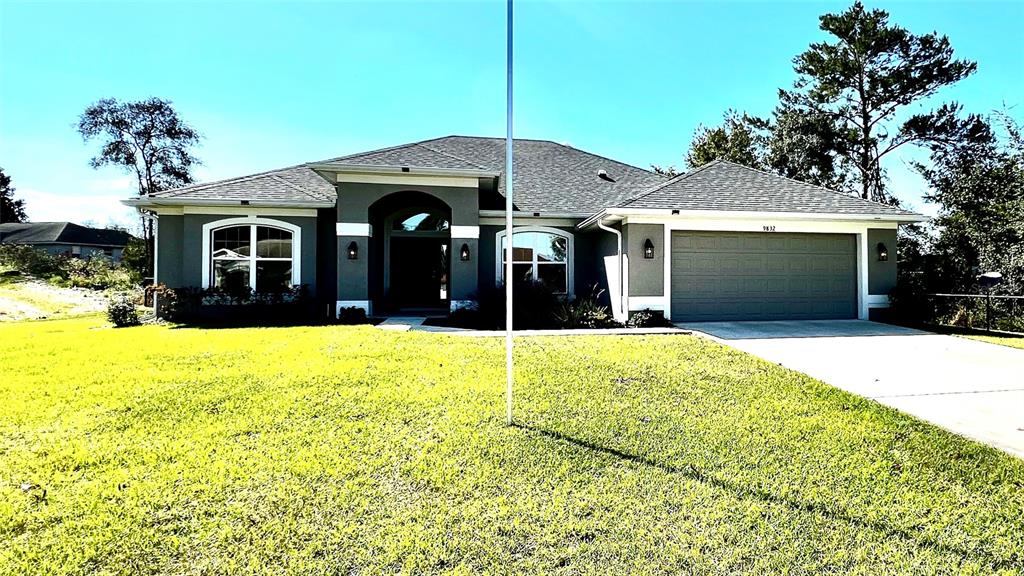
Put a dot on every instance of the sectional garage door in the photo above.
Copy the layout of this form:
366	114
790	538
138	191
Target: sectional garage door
763	276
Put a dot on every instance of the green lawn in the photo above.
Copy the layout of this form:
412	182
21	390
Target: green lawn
341	450
1010	341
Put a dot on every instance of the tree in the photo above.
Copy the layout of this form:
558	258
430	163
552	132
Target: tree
11	208
866	77
144	138
807	146
736	140
979	186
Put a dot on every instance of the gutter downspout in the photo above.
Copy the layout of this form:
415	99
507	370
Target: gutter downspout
618	239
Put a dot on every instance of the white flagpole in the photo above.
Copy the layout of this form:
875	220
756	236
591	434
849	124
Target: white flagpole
508	225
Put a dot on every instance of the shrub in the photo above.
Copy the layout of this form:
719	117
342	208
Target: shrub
648	318
29	260
243	306
535	305
352	315
121	310
97	272
585	312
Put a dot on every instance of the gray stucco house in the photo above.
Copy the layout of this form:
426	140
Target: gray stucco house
66	239
420	228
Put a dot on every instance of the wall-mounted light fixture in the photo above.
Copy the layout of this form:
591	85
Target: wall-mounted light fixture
648	249
353	250
464	252
883	252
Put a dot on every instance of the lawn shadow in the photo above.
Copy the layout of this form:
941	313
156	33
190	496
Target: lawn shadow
692	472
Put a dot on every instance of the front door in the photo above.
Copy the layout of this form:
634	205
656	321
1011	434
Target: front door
419	272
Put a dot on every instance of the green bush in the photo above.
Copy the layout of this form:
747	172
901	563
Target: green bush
97	272
648	318
585	312
121	310
29	260
352	315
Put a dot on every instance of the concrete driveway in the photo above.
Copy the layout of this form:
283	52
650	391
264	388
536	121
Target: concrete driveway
973	388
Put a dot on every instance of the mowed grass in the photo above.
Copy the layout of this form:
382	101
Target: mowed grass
1011	341
348	450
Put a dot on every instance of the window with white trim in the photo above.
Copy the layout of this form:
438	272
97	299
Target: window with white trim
539	254
256	256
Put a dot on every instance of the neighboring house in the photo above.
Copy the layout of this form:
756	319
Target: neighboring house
66	238
420	227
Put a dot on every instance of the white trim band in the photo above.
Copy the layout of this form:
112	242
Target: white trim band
465	232
353	229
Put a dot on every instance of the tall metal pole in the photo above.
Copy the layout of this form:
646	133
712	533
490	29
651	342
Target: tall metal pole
508	224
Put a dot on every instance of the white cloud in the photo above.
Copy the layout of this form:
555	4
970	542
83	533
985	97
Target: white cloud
100	209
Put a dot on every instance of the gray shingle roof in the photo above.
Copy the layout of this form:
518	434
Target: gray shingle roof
553	178
297	184
722	185
549	177
60	233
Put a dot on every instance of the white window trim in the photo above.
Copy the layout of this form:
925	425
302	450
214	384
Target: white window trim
570	254
252	222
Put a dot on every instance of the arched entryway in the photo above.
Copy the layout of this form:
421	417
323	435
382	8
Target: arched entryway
412	273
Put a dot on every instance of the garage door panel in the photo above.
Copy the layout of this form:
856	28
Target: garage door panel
753	276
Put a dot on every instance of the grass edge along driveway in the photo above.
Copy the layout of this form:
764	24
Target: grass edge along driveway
350	450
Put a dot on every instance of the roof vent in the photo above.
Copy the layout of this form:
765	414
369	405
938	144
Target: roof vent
405	168
604	176
244	202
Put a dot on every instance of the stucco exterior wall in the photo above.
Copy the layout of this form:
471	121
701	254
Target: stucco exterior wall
881	275
180	248
646	277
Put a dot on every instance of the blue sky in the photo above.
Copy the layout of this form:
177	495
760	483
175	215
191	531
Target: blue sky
274	84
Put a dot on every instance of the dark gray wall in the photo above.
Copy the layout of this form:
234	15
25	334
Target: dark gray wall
354	206
180	258
646	277
881	275
170	251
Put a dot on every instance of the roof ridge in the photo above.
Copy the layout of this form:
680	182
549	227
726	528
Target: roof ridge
843	194
672	180
377	150
292	185
443	153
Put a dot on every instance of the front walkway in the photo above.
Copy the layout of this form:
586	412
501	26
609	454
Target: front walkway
969	387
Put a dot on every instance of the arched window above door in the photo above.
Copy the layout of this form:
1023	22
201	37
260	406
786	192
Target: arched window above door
421	221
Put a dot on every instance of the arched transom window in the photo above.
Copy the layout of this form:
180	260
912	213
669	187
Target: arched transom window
539	254
260	256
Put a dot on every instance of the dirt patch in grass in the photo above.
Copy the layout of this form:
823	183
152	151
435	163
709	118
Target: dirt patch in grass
31	299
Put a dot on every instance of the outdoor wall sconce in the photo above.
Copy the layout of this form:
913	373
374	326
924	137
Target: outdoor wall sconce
648	249
464	252
883	252
353	250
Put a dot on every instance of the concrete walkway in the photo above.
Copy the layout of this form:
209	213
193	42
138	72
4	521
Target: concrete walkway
972	388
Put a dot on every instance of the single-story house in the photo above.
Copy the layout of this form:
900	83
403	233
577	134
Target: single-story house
66	238
420	228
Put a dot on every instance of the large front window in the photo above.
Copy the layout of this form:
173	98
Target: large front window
541	256
251	256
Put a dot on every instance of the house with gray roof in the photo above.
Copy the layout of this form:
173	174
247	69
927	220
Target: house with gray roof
66	238
419	228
